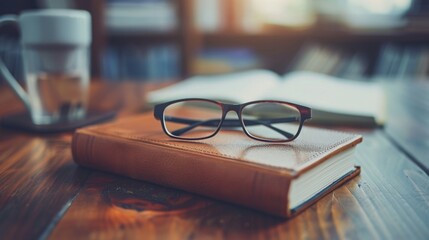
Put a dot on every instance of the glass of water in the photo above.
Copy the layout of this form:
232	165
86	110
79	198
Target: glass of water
57	81
55	45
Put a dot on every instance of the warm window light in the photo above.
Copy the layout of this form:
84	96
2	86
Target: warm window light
379	6
375	14
284	12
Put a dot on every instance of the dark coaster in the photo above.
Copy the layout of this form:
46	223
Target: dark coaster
22	122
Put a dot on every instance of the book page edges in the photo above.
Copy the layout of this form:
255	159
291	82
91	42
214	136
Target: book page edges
328	118
326	191
318	159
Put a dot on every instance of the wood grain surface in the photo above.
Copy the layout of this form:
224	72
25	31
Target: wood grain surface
387	201
38	182
409	120
43	194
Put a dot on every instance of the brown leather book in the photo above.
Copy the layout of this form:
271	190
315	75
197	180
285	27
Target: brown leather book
280	179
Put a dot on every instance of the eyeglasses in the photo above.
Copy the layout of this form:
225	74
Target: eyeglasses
266	120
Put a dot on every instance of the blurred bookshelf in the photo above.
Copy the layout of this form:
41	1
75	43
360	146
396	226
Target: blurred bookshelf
347	39
147	40
150	40
339	38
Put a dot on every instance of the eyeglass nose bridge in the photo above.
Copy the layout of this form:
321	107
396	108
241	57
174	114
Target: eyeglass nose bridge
226	108
231	107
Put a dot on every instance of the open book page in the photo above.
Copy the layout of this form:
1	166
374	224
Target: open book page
330	95
333	100
235	87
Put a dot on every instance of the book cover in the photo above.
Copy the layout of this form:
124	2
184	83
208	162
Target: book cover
279	179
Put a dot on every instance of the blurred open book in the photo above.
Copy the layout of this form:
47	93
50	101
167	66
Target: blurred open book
334	101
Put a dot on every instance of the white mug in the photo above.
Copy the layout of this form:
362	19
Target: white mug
55	45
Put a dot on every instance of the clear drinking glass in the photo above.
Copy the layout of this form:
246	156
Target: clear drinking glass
57	81
55	51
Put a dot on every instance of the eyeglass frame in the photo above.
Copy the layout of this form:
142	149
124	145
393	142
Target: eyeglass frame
305	114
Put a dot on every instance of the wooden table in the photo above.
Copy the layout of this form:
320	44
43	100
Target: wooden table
44	194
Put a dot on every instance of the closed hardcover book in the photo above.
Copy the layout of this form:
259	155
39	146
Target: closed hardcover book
279	179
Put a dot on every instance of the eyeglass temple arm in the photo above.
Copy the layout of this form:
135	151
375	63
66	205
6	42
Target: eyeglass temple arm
229	123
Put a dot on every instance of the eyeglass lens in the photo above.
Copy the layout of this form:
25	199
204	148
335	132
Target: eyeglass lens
200	119
271	121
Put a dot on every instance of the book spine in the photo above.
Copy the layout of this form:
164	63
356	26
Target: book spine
204	174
